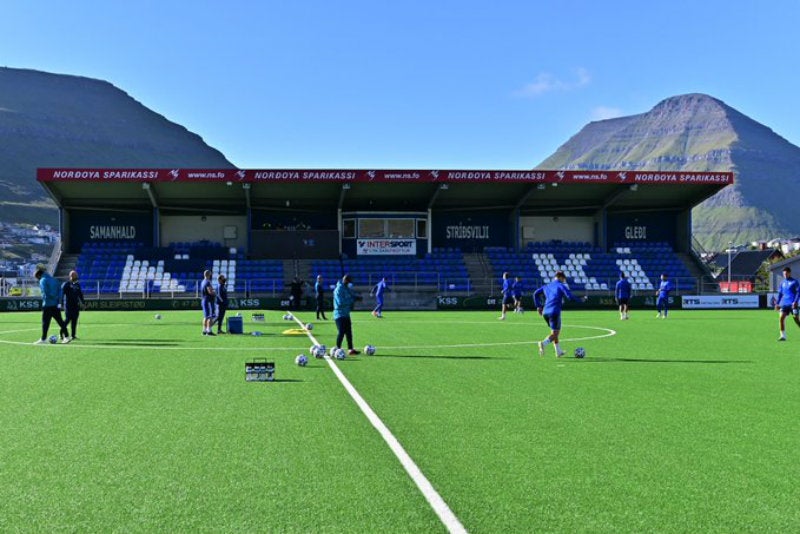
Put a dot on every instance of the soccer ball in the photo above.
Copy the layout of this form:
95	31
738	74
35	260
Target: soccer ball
301	360
309	326
287	317
256	333
317	351
158	317
369	350
580	352
53	339
339	354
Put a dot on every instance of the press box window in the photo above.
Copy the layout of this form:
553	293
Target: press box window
371	228
400	228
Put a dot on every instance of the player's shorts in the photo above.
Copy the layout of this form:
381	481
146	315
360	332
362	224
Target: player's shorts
553	320
209	311
662	301
508	300
789	310
623	301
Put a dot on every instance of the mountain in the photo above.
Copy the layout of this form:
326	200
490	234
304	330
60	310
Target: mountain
697	132
54	120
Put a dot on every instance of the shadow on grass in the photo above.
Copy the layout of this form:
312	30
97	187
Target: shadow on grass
138	343
429	357
653	360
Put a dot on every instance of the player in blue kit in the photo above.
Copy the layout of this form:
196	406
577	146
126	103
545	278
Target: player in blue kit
51	295
553	295
787	300
507	296
662	296
343	299
378	291
622	294
208	299
517	289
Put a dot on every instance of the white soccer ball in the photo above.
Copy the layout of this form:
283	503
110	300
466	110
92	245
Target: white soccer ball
287	316
301	360
369	350
339	354
309	326
256	333
318	351
580	352
158	317
53	339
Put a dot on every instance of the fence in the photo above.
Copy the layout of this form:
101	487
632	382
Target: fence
397	282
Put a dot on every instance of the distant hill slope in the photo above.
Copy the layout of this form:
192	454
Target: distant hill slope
696	132
53	120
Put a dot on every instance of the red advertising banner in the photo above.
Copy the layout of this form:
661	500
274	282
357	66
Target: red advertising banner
382	176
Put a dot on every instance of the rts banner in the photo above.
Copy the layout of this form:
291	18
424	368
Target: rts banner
719	301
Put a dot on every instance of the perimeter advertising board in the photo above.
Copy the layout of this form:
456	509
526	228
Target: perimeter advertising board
710	302
381	176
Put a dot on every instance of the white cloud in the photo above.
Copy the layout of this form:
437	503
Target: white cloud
546	82
601	113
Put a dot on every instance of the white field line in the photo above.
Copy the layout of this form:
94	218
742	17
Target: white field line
440	507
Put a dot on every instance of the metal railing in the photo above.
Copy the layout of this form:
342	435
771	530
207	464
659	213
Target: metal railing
272	287
681	286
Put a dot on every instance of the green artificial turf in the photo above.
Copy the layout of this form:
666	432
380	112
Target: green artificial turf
687	424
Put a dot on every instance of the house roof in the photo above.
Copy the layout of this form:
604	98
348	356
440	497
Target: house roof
746	263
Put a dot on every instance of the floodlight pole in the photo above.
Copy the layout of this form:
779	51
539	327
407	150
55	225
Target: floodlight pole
730	247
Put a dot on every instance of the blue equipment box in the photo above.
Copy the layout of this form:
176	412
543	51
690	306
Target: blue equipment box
235	325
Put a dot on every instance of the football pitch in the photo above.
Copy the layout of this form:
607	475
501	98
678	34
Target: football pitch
688	424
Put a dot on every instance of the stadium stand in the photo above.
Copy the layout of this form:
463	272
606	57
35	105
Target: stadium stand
112	267
590	268
125	269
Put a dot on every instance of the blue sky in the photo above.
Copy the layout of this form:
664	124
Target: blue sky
413	84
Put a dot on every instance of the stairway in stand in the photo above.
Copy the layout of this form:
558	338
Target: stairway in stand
480	274
66	264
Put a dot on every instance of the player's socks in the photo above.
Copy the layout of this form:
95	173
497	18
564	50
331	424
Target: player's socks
559	352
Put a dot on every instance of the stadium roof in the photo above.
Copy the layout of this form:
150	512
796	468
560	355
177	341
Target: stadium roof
232	190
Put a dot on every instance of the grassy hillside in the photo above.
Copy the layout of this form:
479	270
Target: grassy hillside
699	133
52	120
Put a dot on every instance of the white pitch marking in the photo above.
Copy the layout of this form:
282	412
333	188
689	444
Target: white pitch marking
446	515
608	333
